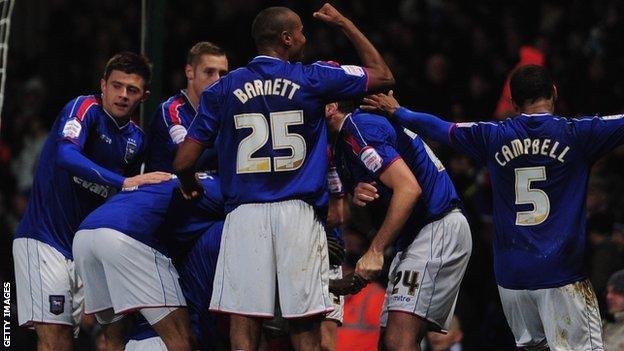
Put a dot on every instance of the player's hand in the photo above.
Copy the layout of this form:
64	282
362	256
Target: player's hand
336	250
370	265
330	15
192	191
350	284
364	193
380	103
147	178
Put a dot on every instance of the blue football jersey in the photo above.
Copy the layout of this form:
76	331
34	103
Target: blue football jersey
269	116
158	216
59	201
368	144
197	271
539	167
168	128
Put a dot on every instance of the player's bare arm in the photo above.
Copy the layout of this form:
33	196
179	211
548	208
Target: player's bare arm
147	178
379	74
184	166
405	193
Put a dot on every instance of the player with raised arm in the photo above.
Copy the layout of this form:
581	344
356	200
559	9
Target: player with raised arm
539	165
420	216
124	252
273	165
205	64
92	151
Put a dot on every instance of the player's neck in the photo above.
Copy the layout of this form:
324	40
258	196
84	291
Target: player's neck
280	54
193	98
335	123
539	106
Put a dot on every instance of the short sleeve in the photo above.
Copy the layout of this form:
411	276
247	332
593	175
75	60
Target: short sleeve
598	135
76	119
171	117
472	138
203	129
334	82
374	145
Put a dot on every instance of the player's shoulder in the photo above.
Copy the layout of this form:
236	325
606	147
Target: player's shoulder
170	111
136	128
366	127
81	106
366	120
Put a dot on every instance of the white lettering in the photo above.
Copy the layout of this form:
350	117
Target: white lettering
258	86
295	87
249	89
507	153
545	146
286	84
565	151
516	145
241	96
498	160
277	84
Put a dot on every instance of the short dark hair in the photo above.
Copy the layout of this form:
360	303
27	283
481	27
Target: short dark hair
269	24
530	83
130	63
203	48
346	106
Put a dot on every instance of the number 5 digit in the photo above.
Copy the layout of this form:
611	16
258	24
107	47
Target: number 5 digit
525	195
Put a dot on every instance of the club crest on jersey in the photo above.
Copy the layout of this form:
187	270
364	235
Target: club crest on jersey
371	159
57	304
131	149
72	129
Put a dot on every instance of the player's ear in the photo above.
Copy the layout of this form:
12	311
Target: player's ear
286	38
102	85
515	106
330	109
146	95
555	93
189	72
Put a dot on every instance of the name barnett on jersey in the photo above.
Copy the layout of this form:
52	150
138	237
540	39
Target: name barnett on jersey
277	86
528	146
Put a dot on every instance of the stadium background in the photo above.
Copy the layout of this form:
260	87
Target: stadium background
450	58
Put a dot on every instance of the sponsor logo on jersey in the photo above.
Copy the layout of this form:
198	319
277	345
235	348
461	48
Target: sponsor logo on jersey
371	159
177	132
57	304
105	138
131	148
72	129
99	189
608	118
353	70
333	182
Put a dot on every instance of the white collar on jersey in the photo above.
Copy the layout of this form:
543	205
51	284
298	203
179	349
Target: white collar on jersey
536	114
343	121
115	120
188	99
269	57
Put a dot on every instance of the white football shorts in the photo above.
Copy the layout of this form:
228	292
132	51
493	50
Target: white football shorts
269	247
335	272
150	344
563	318
124	274
48	288
424	279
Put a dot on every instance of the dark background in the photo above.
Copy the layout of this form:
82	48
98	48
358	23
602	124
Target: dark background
450	58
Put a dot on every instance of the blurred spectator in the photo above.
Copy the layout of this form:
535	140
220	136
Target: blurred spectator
613	332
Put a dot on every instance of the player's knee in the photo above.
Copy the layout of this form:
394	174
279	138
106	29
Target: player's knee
395	341
54	337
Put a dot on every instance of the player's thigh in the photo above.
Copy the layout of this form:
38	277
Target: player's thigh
570	317
329	330
244	281
404	331
90	271
44	287
522	312
427	278
383	320
54	336
137	275
150	344
301	258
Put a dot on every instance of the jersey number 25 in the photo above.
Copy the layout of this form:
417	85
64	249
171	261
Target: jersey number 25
281	137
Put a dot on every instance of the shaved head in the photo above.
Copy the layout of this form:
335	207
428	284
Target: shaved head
270	23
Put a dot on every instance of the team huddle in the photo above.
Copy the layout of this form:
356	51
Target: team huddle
247	173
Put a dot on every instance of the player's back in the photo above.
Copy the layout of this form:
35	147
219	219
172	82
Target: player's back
272	134
539	167
370	143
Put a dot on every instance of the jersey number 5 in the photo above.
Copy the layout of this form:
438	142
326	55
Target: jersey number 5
526	195
281	137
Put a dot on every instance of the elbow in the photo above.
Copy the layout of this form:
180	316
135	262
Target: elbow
412	192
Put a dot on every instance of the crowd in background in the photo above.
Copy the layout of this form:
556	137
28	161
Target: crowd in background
450	58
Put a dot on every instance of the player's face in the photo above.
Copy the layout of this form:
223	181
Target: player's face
122	93
207	70
615	300
298	41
